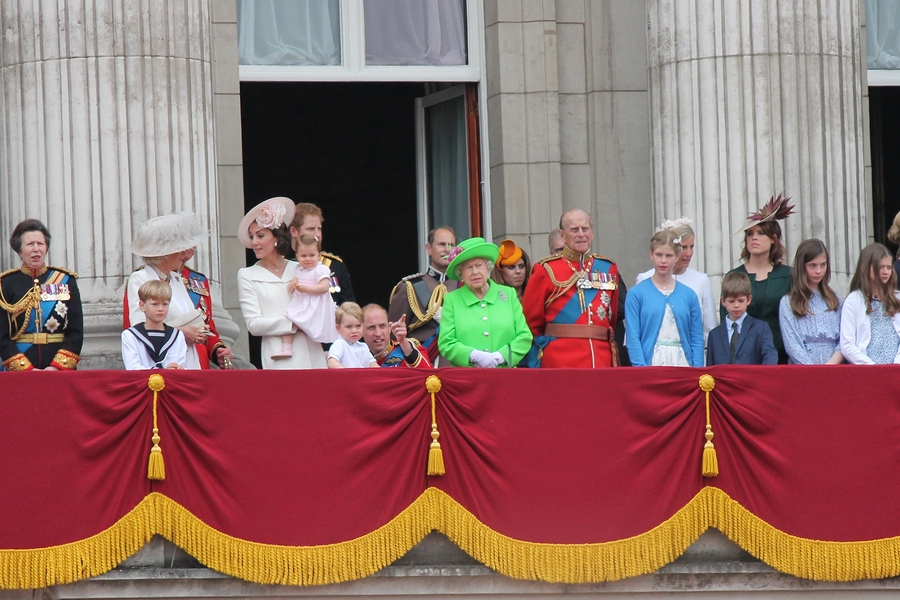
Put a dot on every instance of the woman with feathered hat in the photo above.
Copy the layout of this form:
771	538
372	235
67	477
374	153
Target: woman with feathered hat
763	255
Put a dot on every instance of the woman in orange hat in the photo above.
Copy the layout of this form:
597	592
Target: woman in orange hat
513	267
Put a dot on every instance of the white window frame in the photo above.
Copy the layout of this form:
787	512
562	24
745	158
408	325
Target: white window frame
883	77
353	56
422	181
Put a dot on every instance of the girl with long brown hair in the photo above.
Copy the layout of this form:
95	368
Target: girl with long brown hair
810	315
870	319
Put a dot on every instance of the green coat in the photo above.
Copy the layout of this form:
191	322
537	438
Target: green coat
494	323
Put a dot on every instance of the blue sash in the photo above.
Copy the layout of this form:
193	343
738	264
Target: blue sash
52	293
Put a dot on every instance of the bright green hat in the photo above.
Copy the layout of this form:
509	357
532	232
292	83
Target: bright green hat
471	248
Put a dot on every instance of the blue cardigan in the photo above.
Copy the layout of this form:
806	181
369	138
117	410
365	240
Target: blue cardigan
645	308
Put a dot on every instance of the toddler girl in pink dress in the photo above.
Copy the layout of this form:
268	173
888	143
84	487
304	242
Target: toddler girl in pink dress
311	308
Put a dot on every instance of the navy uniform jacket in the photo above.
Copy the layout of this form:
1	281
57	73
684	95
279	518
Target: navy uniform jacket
52	310
340	286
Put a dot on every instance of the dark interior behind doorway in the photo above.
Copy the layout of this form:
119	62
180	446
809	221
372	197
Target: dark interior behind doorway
350	149
884	108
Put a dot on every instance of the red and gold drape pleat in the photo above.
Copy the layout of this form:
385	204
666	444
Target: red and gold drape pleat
558	475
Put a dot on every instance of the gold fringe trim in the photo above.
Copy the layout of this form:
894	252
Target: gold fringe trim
434	509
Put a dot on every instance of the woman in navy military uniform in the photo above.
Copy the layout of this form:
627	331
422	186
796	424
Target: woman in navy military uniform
43	328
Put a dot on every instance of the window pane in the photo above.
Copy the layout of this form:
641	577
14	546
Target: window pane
415	32
448	172
295	32
883	34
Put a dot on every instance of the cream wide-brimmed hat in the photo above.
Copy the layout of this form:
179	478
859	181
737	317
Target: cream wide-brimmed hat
168	234
270	214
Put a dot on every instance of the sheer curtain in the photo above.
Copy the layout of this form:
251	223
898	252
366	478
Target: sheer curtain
294	32
883	33
415	32
448	165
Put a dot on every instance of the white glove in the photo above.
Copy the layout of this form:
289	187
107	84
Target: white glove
485	360
498	357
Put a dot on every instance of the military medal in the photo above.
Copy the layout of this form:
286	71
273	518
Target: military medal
335	287
601	312
604	298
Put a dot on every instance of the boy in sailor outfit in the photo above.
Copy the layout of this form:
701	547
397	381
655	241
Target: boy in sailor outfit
153	344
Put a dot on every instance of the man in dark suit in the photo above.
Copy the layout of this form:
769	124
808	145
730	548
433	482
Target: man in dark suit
740	339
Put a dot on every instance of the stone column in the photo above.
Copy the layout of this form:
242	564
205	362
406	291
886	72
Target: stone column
749	98
106	120
523	121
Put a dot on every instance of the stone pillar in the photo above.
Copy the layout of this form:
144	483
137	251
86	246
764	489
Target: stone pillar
106	120
749	98
523	121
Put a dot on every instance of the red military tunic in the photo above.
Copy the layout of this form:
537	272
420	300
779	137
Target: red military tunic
569	289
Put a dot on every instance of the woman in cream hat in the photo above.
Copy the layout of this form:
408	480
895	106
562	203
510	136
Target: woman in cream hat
263	288
513	267
482	323
161	243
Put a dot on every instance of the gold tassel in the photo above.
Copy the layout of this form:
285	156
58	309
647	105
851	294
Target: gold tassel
710	460
156	468
435	455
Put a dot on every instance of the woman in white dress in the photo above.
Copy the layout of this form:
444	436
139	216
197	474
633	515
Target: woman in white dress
263	288
161	243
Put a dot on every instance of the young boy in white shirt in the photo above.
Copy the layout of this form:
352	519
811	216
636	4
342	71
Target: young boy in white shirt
153	344
348	352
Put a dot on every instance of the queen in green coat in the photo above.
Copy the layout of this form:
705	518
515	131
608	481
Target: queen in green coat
482	323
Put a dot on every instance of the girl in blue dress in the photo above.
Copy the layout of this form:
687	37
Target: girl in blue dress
810	314
664	326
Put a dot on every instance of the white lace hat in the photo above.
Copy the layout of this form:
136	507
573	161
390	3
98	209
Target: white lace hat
168	234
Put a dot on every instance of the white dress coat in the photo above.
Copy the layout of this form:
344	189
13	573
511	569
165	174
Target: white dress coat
180	304
264	299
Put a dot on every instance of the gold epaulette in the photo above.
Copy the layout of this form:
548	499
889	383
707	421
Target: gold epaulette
332	256
546	259
66	271
601	257
5	273
402	281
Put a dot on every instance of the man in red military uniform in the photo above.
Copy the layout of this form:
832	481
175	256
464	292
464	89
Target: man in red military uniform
571	302
405	352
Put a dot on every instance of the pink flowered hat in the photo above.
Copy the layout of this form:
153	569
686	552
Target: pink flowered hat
270	214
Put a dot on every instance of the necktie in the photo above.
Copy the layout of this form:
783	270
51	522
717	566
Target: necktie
734	340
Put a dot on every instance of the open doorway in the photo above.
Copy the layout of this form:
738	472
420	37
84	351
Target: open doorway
385	162
884	104
349	148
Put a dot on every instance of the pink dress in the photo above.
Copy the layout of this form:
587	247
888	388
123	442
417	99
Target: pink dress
313	313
